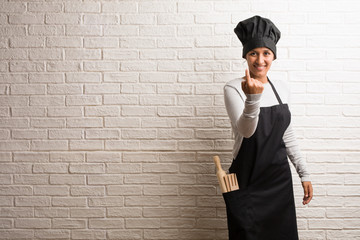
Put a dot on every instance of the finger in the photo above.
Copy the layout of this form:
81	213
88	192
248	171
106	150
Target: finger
247	75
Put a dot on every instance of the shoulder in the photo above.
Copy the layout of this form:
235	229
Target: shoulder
234	83
234	87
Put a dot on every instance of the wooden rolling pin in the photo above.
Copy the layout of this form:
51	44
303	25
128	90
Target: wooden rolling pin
227	182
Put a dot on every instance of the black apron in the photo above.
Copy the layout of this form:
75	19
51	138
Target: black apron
263	208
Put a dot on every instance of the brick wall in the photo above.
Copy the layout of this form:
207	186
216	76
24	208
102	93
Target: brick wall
110	112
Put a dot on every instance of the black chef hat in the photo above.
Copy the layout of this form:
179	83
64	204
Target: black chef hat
257	32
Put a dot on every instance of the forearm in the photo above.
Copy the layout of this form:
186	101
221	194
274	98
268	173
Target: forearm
294	154
243	114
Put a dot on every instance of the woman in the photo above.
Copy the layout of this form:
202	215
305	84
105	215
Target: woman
263	208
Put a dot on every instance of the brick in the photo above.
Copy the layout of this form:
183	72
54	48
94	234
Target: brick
120	100
128	190
165	18
32	201
195	7
139	66
87	212
101	66
92	7
26	18
175	111
140	157
15	145
87	168
119	7
142	223
142	201
120	54
105	179
27	66
44	145
81	30
5	157
12	7
122	30
12	31
161	190
125	234
174	179
50	168
88	54
31	179
52	234
95	19
100	111
138	111
29	134
63	42
32	223
16	234
88	234
106	201
106	223
158	145
123	168
69	201
103	157
86	145
51	190
48	30
142	179
28	89
15	190
15	78
162	234
137	43
166	31
17	212
160	168
67	179
158	122
63	66
122	145
84	122
44	7
83	100
101	42
65	134
13	54
68	223
47	100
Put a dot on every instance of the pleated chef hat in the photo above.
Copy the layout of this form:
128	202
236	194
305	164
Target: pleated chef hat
257	32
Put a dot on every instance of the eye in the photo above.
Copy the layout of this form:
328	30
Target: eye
252	54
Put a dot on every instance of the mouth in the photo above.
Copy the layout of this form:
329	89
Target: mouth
260	67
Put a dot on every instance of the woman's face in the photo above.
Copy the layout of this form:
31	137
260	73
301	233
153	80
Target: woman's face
259	61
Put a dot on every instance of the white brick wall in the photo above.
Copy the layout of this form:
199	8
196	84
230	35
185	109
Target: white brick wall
110	112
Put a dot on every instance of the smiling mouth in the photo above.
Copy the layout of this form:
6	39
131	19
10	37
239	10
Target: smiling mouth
259	68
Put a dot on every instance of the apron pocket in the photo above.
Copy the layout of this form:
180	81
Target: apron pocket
239	211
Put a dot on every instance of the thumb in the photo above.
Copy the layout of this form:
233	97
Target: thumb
306	190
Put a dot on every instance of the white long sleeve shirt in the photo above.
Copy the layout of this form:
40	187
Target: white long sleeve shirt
243	110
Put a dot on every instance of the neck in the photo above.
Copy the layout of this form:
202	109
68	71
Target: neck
261	79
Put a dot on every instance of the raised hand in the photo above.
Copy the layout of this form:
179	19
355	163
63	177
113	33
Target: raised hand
251	85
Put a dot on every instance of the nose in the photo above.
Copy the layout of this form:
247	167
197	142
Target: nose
260	59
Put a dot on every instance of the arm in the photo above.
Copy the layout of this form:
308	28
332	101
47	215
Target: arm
295	155
299	163
243	114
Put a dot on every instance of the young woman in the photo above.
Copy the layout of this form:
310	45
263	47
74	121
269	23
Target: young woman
263	207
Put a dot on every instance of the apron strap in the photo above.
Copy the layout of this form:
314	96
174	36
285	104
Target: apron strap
274	90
